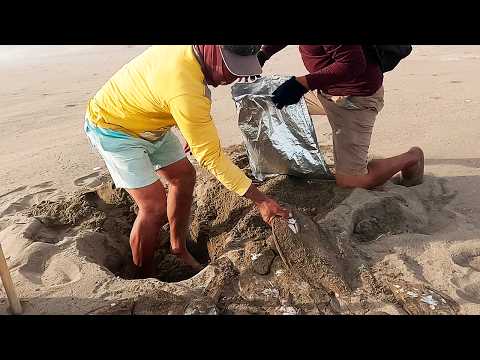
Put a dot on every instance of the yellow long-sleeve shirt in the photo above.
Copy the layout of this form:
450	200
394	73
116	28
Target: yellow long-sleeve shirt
161	88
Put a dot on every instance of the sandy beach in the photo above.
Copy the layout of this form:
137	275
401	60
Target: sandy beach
64	260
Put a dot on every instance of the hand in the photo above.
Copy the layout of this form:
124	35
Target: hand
247	79
269	209
262	58
289	93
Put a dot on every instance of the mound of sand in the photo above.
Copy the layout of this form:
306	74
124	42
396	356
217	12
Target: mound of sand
394	250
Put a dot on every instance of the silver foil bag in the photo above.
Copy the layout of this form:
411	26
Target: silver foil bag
278	142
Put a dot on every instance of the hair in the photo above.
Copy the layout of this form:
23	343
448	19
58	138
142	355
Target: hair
243	50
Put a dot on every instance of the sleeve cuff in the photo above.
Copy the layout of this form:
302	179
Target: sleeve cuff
243	186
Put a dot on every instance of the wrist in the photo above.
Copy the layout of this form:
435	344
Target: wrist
303	81
255	195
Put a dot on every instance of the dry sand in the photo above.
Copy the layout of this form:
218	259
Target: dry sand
381	251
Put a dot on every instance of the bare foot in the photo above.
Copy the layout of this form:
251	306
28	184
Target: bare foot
413	175
189	259
144	272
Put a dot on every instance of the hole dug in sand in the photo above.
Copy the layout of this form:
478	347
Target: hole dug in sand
104	218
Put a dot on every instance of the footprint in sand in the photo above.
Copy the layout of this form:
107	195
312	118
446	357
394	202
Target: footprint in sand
59	272
87	180
25	202
33	260
468	258
21	188
43	185
44	267
470	293
468	285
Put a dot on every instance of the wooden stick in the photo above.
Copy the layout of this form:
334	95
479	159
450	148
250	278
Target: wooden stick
8	285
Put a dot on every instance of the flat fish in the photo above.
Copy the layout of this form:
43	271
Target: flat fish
305	253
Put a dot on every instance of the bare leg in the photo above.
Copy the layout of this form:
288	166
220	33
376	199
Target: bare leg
380	171
181	179
152	209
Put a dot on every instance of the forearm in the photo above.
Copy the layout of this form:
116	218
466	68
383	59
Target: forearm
220	166
192	115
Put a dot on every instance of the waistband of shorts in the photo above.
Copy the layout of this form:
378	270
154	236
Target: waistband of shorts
106	132
90	122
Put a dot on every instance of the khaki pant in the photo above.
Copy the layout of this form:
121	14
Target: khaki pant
352	119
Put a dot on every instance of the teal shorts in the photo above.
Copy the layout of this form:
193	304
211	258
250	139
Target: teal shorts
133	162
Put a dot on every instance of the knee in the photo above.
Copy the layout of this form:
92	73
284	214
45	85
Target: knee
154	210
185	177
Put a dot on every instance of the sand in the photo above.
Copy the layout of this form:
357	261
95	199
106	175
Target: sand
394	250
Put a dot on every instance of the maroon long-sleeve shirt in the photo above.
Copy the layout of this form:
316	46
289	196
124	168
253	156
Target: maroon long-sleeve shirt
338	70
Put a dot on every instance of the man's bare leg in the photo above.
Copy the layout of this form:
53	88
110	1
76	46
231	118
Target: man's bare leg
380	171
152	210
181	179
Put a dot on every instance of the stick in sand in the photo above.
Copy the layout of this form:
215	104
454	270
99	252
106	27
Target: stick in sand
8	285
